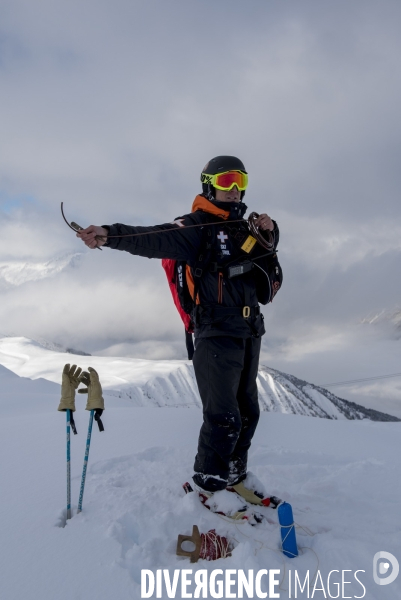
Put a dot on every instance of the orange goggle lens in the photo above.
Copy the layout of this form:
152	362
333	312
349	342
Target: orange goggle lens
226	181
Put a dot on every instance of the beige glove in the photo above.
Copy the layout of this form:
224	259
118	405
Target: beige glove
69	383
93	389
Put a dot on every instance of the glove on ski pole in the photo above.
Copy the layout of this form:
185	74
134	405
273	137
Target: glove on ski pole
94	390
69	382
95	404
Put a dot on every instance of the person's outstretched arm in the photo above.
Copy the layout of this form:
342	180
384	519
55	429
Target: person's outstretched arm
169	240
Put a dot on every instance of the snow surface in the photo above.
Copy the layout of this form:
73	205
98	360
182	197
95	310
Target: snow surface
342	477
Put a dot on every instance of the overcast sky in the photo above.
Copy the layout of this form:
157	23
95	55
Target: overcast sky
114	108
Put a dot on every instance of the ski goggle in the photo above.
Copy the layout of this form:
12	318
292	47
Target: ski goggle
226	181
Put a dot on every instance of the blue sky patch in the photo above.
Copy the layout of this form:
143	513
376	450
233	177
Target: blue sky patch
9	203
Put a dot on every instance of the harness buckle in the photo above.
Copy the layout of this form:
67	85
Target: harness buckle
246	312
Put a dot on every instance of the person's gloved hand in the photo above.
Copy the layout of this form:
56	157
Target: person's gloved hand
69	383
93	389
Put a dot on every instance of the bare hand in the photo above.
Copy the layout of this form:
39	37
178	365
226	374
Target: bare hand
264	222
93	236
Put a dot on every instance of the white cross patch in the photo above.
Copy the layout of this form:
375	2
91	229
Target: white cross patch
222	237
178	222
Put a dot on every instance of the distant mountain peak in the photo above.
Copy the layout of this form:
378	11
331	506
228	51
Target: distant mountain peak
52	346
300	397
392	315
17	272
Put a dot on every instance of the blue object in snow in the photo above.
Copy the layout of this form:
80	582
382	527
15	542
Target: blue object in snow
288	539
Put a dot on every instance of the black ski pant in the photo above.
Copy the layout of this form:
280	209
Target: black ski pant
226	369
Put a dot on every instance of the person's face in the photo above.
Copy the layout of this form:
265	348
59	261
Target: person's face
233	195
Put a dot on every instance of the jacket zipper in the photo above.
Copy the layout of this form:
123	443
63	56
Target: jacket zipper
220	288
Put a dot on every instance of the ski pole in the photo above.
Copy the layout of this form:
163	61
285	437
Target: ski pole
69	383
88	442
95	405
68	412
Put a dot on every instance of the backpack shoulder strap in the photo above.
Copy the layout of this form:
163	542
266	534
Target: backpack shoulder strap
205	251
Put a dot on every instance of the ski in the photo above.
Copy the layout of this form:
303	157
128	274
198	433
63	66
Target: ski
244	514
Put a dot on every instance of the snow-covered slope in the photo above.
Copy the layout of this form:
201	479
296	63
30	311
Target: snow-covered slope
22	395
135	382
342	478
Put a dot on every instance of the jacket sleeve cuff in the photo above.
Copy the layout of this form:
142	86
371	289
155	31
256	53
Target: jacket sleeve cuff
108	242
123	241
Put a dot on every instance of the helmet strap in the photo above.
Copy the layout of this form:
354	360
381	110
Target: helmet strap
210	193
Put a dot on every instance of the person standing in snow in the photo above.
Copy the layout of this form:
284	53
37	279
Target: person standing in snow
227	317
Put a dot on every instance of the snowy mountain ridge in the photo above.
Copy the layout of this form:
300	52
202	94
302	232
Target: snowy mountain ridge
313	400
171	383
17	272
53	346
387	319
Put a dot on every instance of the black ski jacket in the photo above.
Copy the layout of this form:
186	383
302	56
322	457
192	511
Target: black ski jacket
209	251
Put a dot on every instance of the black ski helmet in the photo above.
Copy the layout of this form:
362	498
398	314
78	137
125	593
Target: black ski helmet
220	164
